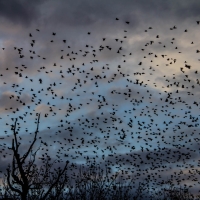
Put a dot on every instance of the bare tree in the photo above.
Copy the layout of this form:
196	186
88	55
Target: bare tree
24	179
95	183
173	193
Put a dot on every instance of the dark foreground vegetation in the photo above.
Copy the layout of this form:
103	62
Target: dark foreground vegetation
95	184
24	180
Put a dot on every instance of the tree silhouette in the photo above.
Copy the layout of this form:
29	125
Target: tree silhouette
25	179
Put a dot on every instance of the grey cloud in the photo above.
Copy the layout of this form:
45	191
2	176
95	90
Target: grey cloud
19	12
81	13
8	101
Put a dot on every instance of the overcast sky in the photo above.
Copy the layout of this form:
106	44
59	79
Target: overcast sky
125	88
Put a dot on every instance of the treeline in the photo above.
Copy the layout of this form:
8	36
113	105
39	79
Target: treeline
91	183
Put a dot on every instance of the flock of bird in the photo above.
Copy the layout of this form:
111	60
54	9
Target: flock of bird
100	102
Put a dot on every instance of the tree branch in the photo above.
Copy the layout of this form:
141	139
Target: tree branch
56	181
31	146
11	187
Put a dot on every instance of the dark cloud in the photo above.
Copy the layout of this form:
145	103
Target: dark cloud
81	13
85	13
19	12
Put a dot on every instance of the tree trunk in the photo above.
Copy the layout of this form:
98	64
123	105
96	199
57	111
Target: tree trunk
24	194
